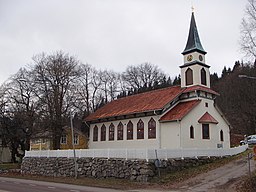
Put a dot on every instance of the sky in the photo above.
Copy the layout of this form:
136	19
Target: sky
113	34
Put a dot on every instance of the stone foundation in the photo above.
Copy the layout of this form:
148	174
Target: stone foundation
137	170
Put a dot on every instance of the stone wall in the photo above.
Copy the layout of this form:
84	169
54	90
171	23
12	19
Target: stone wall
138	170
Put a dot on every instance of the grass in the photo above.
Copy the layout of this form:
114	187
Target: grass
167	180
7	166
248	184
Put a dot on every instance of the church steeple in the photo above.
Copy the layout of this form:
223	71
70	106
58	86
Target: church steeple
194	71
193	43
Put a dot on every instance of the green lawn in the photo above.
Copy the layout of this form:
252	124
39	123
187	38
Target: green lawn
6	166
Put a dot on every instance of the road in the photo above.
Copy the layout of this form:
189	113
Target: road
222	179
22	185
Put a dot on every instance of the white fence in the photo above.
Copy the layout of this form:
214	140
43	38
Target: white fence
138	153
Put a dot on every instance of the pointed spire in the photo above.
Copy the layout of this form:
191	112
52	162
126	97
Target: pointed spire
193	43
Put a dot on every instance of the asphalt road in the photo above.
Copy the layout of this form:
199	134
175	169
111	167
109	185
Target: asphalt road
222	179
22	185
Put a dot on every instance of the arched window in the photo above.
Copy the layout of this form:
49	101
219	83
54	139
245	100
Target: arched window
192	132
152	129
140	130
120	131
95	133
111	134
103	133
129	131
203	76
189	76
221	136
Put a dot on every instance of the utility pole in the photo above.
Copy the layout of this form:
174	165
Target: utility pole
73	143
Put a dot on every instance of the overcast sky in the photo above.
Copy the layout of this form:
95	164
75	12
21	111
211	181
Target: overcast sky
112	34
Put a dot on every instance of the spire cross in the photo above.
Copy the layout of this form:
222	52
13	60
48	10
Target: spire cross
193	9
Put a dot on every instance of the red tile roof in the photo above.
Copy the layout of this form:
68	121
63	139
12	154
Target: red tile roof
207	118
201	88
144	102
180	111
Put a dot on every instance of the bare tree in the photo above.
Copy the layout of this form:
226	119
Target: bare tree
110	84
96	84
143	75
55	75
248	30
20	112
83	98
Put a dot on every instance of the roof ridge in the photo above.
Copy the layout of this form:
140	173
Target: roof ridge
146	92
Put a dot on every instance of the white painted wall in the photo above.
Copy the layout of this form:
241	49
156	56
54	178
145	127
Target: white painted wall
195	57
192	119
170	135
135	143
196	75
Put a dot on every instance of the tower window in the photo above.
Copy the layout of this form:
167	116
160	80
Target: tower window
189	76
203	76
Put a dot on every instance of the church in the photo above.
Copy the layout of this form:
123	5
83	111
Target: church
183	116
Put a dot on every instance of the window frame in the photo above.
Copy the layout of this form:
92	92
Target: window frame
120	131
95	133
205	131
151	129
140	129
76	139
221	135
189	76
63	139
191	132
203	77
111	132
129	131
103	133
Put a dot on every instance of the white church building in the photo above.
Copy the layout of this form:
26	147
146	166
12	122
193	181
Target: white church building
176	117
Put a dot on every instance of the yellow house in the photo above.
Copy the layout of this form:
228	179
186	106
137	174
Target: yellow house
80	140
43	141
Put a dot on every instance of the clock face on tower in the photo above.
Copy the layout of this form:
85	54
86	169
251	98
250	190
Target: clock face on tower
189	58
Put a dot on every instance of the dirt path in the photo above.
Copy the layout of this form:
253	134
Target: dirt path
221	179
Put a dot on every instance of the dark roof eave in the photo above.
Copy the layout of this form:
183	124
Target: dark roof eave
166	121
213	122
195	62
193	50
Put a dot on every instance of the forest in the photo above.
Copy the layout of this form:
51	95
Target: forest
57	86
